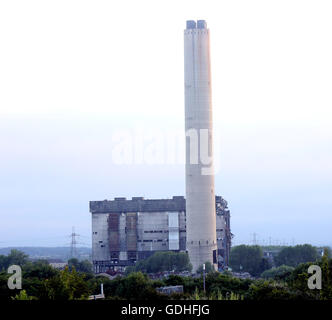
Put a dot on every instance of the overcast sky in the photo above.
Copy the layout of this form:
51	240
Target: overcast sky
75	74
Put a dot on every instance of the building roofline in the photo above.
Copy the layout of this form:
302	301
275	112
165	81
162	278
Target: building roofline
139	204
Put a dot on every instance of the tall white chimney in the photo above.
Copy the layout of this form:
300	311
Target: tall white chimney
200	193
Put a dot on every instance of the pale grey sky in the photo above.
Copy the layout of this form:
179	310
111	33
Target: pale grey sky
74	73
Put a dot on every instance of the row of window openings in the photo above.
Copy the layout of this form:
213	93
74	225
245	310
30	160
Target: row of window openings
154	231
163	244
199	242
159	240
160	231
154	240
149	240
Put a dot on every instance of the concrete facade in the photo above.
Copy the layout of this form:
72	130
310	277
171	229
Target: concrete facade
200	192
125	231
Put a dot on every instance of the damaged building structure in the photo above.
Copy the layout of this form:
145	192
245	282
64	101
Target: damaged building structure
125	231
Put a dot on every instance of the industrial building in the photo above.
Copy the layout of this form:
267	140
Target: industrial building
125	231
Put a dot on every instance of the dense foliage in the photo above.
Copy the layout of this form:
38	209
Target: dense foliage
80	266
43	282
292	256
15	257
248	259
164	261
208	267
279	272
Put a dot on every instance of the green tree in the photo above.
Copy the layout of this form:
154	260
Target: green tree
165	261
208	267
17	257
4	263
297	282
85	266
73	263
129	270
269	290
39	269
80	266
67	285
218	283
133	287
249	259
277	273
326	292
5	292
23	296
293	256
14	257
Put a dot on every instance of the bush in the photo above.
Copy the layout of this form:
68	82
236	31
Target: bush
249	259
164	261
80	266
14	257
67	285
225	284
268	290
209	267
277	273
293	256
136	286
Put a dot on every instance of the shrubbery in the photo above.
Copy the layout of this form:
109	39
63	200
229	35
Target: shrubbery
293	256
277	273
249	259
164	261
208	267
41	281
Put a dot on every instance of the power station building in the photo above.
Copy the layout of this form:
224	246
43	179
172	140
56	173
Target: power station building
125	231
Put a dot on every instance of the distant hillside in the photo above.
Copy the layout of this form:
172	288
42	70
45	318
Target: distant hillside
61	253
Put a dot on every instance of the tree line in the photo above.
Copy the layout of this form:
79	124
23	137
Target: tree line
42	282
246	258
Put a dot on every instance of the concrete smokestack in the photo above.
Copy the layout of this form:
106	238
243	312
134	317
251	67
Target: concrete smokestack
200	193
